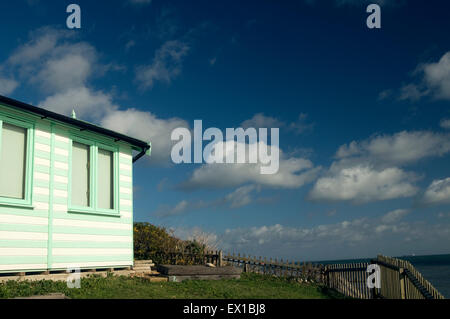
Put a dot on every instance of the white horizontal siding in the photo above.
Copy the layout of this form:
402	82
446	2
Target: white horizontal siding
126	190
90	224
125	214
12	235
92	264
61	165
22	267
42	161
91	251
23	251
125	156
126	202
92	238
59	208
61	138
42	147
124	178
42	176
40	206
28	220
61	179
43	134
41	191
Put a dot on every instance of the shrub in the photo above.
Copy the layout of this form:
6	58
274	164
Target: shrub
156	243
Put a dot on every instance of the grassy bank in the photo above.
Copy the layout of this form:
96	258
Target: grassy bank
249	286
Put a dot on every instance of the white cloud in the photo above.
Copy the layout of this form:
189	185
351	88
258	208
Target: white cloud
394	216
148	127
7	86
262	121
370	170
301	125
166	65
86	103
445	123
438	192
66	72
50	61
293	172
362	184
364	237
397	149
434	81
437	77
259	120
41	43
63	67
240	197
411	92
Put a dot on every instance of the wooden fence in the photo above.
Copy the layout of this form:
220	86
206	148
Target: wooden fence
349	279
400	280
275	267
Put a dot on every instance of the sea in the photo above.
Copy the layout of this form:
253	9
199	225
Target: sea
435	269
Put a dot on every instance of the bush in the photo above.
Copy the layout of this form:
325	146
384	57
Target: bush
156	243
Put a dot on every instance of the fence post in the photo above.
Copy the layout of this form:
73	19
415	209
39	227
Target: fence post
220	261
402	283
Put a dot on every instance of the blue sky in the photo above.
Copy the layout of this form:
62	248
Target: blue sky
363	113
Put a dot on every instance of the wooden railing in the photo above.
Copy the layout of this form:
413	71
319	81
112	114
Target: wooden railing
349	279
302	271
400	280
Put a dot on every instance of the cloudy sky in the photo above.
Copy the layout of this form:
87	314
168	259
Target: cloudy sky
364	114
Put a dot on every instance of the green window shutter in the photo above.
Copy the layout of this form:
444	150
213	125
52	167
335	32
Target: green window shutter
105	175
80	174
12	161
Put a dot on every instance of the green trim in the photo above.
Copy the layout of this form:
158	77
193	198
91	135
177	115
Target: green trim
91	212
91	217
50	211
29	161
93	208
18	205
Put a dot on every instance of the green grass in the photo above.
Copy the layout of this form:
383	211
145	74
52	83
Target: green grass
250	286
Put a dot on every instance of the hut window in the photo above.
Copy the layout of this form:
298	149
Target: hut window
80	174
13	149
105	179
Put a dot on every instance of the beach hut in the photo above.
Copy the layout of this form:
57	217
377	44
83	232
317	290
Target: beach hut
66	192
